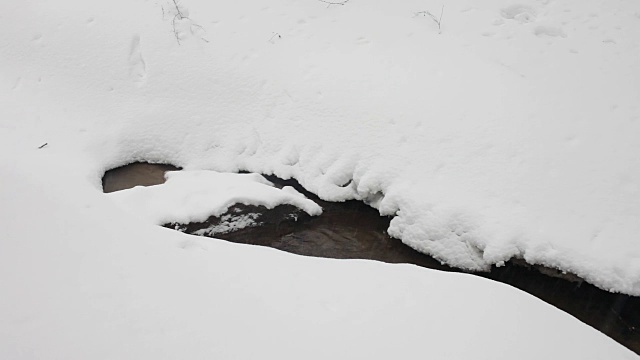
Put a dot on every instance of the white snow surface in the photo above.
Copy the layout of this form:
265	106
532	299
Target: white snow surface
83	279
194	196
511	131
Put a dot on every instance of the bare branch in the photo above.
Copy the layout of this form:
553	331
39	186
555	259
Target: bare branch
179	16
275	34
437	20
179	13
175	31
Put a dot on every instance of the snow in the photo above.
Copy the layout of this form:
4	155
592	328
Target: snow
510	132
84	279
194	196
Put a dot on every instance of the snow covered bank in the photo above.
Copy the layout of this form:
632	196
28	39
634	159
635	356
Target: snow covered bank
513	132
87	281
194	196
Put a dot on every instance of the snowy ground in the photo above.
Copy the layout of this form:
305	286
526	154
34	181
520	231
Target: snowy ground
511	131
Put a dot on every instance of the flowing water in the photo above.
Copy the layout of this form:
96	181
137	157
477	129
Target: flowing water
353	230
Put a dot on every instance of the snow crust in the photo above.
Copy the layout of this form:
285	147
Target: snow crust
194	196
511	131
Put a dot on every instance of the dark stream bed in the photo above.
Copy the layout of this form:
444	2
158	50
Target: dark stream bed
353	230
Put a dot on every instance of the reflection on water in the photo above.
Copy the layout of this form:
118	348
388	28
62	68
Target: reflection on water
353	230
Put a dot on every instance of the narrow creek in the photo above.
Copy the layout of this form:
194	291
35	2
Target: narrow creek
353	230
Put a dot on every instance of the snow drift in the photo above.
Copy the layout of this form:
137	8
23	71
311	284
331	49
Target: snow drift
492	139
511	132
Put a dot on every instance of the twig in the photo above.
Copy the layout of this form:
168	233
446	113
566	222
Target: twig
274	35
175	32
179	13
43	145
180	16
437	20
200	27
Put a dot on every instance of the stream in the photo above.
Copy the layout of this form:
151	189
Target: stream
353	230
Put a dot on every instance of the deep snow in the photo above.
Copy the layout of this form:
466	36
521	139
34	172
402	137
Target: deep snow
495	138
82	279
194	196
511	132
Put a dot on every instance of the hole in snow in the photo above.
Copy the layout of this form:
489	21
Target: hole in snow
136	174
354	230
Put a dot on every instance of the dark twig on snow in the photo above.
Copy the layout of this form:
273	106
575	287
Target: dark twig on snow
180	16
437	20
275	34
43	145
178	12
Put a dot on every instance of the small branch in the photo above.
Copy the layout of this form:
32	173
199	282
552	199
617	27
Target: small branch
273	36
179	16
43	145
437	20
175	32
201	28
179	13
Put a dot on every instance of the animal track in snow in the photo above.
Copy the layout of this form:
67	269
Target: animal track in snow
137	66
549	31
520	13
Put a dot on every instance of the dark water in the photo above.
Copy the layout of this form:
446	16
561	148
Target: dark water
136	174
353	230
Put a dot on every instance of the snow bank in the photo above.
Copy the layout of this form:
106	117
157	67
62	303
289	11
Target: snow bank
194	196
513	132
82	279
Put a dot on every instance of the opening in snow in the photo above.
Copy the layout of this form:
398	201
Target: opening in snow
136	174
354	230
